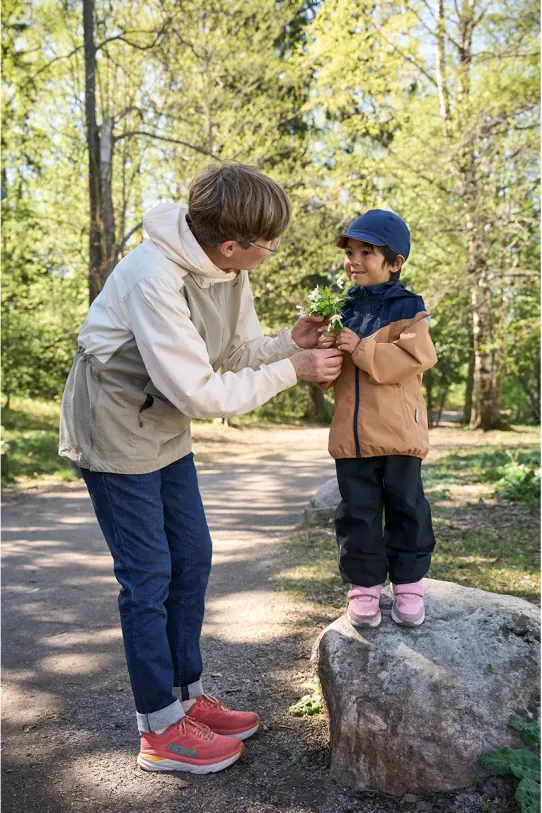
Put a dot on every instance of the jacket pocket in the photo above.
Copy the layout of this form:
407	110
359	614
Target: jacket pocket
147	404
412	411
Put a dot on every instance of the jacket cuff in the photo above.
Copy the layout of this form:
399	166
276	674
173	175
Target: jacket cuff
362	354
287	344
286	374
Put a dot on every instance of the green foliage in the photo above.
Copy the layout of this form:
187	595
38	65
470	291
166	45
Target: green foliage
520	483
528	796
515	474
30	438
278	85
512	761
309	704
328	302
304	403
528	731
520	763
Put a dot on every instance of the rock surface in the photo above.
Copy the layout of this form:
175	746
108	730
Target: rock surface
412	710
324	502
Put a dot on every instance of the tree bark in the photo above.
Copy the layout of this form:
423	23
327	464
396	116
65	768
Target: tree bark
106	182
428	382
485	411
93	149
469	384
444	97
320	409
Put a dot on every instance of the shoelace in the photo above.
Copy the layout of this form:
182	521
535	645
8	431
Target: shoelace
209	700
199	730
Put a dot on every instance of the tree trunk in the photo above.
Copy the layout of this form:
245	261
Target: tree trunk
428	381
469	385
106	188
485	412
444	98
320	409
93	148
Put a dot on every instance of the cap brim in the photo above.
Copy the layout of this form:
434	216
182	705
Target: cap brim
340	239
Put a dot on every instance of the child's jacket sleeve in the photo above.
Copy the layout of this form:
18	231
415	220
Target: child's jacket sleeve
393	362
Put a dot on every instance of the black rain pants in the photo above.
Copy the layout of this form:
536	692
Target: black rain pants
370	487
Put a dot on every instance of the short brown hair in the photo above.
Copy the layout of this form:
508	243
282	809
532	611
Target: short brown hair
231	201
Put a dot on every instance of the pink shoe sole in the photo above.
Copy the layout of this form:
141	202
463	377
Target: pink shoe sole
407	621
364	621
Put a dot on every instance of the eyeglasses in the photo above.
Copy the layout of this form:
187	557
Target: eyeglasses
257	245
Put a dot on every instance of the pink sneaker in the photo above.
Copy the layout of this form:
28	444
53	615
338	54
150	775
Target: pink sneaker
363	606
408	609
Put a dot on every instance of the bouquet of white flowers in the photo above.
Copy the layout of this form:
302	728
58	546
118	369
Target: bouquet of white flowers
328	302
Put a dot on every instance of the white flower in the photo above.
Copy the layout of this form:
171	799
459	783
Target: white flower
340	283
336	318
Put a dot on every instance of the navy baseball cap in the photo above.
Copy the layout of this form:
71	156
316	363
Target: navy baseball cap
380	228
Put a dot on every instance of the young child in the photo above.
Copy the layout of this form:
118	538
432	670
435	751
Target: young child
379	432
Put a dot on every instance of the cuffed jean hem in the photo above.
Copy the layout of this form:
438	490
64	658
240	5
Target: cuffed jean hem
156	720
189	692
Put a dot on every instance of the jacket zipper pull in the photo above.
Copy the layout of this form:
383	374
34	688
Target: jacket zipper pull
417	415
140	421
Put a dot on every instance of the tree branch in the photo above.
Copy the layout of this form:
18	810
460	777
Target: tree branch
126	237
201	150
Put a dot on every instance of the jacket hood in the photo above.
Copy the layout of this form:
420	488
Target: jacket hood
167	228
375	306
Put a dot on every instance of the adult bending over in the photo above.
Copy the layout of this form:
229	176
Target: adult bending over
175	311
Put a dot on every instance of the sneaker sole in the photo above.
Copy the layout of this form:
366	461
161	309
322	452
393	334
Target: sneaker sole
403	623
149	762
375	622
241	735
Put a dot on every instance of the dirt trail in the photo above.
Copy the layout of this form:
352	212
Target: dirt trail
70	739
69	732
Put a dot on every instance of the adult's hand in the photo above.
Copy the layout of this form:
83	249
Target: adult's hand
317	365
308	329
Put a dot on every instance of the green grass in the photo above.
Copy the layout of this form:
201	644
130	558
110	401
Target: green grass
30	438
514	473
501	561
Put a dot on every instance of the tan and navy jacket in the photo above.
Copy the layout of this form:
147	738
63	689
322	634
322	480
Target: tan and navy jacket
379	406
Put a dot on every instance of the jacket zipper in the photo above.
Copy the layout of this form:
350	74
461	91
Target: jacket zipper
356	412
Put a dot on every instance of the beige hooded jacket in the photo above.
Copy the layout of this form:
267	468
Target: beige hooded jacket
169	338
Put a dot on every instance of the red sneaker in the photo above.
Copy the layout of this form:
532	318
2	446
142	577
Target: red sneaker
222	720
188	746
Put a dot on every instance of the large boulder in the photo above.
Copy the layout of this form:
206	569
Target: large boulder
322	506
412	710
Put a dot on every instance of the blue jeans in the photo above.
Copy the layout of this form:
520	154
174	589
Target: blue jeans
155	527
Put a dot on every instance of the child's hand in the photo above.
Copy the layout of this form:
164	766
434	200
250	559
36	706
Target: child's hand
328	339
348	340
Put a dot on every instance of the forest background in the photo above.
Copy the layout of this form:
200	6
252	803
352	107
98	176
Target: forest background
426	107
